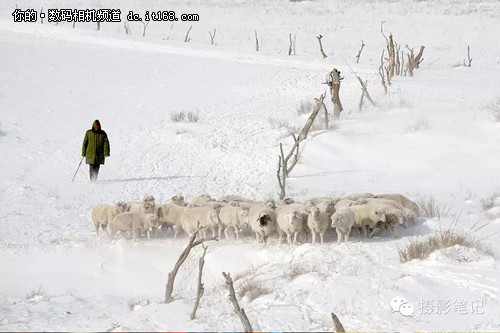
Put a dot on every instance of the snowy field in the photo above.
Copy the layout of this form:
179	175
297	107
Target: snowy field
432	135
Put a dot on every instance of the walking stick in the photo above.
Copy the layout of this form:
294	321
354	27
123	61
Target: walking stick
77	168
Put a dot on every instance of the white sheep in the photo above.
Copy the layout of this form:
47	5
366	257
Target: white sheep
290	222
199	201
200	217
408	214
367	216
262	220
343	220
102	215
318	222
402	200
172	217
234	198
233	217
178	200
134	222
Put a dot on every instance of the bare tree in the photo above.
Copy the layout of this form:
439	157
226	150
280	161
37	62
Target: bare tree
390	53
468	57
201	289
98	26
359	52
321	46
361	99
187	38
74	22
212	36
144	26
290	47
333	80
363	84
169	288
294	39
284	168
381	72
239	311
127	28
398	63
41	18
256	42
414	61
339	328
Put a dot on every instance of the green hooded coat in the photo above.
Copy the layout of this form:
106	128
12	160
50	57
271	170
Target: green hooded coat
95	145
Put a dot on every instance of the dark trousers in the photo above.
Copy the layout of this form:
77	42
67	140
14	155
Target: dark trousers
94	171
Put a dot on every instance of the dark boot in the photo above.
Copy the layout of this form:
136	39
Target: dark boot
93	171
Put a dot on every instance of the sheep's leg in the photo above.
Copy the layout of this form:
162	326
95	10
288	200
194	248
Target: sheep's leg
346	237
313	236
226	233
237	232
148	233
364	228
257	236
289	238
213	232
374	231
394	231
295	236
340	235
176	231
321	236
97	229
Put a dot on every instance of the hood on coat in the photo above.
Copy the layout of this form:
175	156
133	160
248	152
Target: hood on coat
96	123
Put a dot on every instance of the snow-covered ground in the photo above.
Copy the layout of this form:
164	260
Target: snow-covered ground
430	136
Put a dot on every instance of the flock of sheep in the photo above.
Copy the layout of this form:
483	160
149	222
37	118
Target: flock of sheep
366	212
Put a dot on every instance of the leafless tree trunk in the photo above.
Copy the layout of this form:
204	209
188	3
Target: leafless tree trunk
321	46
359	52
398	64
333	82
74	22
410	66
294	39
283	168
169	288
339	328
98	26
41	18
390	53
212	36
256	42
381	72
361	100
468	57
187	38
418	59
201	289
144	25
403	63
291	45
239	311
127	28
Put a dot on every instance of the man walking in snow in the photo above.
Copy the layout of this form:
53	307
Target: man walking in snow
95	148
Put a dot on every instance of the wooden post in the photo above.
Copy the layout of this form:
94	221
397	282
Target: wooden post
359	52
321	46
201	289
334	83
212	36
239	311
339	328
169	288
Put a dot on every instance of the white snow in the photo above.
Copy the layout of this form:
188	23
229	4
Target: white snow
431	136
